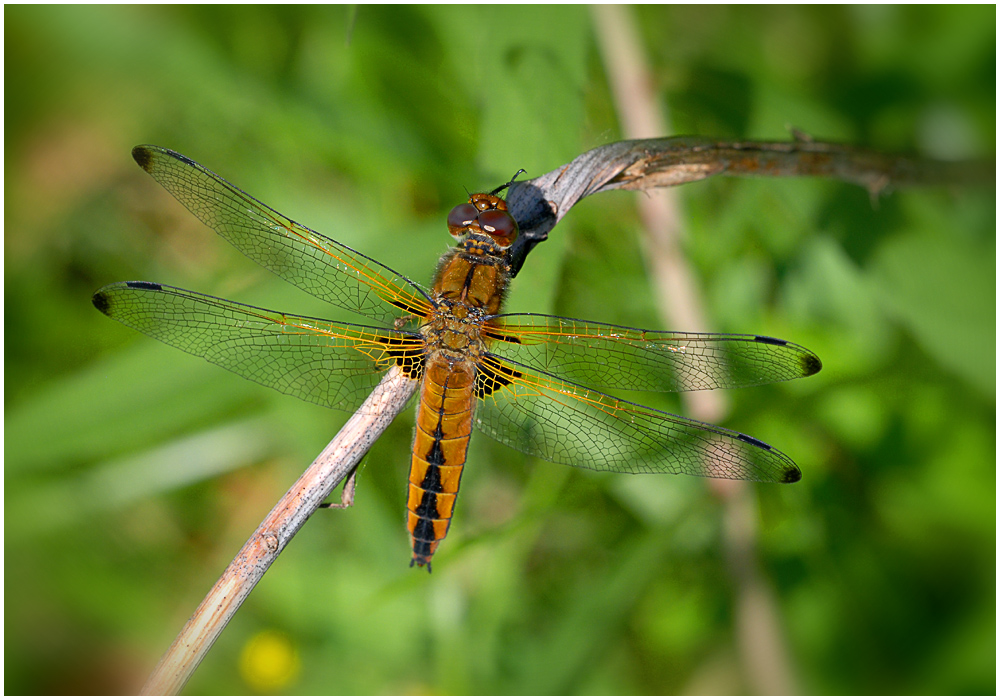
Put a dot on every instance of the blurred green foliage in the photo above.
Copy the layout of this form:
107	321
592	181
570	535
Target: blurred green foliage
134	472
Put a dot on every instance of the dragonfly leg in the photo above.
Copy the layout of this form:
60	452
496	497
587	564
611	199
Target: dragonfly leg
346	495
401	322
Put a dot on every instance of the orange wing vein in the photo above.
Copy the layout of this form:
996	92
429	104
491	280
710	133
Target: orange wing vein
613	357
570	424
319	265
324	362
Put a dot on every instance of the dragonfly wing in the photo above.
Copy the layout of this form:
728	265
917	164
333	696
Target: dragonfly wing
324	362
618	357
319	265
570	424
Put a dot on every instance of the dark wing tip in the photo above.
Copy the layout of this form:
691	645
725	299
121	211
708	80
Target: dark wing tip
143	156
810	365
148	286
750	440
103	298
808	362
102	301
791	475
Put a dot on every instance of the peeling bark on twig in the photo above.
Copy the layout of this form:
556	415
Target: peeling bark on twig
643	164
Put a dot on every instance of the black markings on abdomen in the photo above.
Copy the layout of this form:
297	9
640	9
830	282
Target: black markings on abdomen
431	483
423	535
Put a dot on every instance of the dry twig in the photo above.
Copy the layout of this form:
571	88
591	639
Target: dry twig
335	463
643	164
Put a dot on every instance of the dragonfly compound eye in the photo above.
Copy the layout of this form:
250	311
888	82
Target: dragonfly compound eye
460	218
500	226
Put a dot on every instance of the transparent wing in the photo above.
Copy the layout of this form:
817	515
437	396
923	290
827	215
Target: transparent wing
618	357
570	424
327	363
319	265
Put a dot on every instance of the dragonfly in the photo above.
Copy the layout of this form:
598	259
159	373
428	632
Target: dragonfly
534	382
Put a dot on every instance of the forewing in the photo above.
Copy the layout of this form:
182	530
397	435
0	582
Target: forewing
610	357
319	265
570	424
327	363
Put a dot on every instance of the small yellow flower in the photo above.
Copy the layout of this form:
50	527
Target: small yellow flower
269	661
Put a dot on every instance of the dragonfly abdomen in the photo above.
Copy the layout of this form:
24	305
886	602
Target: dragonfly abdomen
440	444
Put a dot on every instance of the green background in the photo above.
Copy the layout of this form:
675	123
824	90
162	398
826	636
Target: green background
133	472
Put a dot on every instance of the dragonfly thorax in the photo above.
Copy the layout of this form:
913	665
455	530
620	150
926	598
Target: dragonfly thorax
474	275
455	336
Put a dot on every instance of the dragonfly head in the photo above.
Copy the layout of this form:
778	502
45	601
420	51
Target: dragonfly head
486	215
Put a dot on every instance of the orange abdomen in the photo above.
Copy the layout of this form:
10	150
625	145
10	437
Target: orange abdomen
444	425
